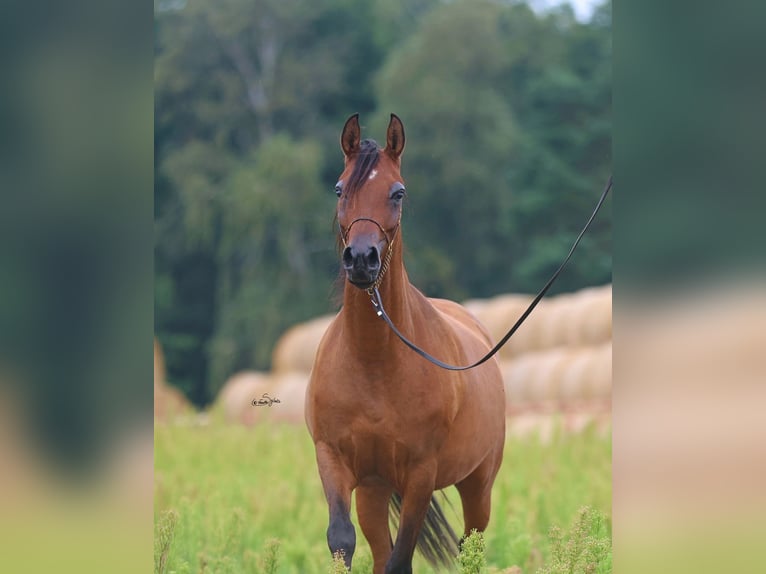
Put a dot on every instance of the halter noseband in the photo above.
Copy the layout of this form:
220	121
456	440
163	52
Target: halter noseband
389	251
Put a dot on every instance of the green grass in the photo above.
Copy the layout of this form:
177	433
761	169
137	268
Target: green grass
238	500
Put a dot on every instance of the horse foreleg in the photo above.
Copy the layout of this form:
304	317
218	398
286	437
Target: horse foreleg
415	501
372	509
338	482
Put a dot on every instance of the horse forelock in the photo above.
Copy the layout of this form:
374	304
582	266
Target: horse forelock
365	162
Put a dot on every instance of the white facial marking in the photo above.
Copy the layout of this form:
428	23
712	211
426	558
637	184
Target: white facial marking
372	174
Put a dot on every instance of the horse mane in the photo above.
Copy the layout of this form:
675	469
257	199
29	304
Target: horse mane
365	161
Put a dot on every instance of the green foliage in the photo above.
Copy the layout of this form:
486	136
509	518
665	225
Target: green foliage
507	114
471	559
338	566
270	559
235	489
165	529
585	549
508	146
266	242
460	136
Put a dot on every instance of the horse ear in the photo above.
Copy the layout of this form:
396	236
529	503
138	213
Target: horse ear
395	137
350	136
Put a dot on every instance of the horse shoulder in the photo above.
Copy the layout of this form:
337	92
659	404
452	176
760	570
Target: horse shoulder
464	317
318	377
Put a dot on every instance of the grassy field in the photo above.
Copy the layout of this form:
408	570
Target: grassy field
239	500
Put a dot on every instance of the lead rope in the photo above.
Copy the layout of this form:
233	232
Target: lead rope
377	302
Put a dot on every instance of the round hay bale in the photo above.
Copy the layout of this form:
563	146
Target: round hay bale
514	380
572	319
296	349
522	378
562	375
587	319
527	338
476	307
499	313
235	398
290	389
159	363
557	321
528	425
533	378
564	326
169	403
596	320
575	376
549	369
598	384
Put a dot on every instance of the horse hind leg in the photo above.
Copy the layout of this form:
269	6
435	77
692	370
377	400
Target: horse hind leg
416	499
372	510
476	493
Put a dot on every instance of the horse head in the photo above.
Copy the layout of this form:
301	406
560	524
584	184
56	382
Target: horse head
370	193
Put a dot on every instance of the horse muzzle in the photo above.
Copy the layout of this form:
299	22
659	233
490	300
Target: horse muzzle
362	265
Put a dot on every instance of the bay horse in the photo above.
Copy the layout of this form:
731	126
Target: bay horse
385	422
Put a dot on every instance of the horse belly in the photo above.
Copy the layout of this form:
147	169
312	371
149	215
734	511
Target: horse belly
478	430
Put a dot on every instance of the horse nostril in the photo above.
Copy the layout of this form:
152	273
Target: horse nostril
373	258
348	258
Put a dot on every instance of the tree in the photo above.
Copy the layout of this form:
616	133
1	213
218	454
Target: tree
507	118
236	84
443	82
276	256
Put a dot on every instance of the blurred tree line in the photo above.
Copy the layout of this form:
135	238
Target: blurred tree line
508	121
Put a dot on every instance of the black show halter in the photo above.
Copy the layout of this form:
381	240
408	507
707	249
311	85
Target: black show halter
377	302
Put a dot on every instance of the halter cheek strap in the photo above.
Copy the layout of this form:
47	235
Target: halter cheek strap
389	241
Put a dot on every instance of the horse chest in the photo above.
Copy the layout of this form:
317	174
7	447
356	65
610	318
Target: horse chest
374	453
380	436
396	403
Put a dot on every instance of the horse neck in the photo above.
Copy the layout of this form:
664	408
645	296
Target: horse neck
368	333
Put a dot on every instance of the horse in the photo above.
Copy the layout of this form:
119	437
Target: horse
386	423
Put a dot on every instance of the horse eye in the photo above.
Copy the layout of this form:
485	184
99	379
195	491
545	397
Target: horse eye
399	194
338	190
